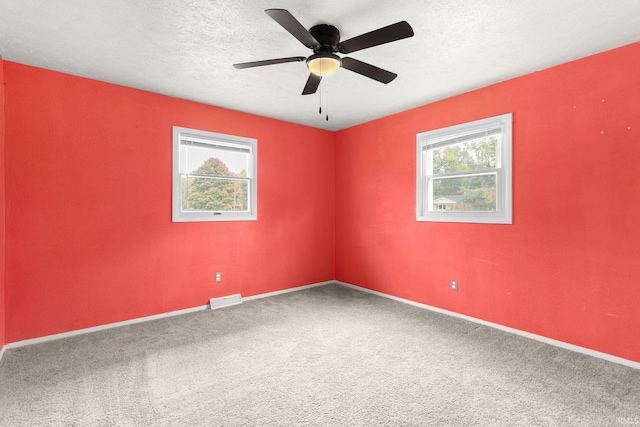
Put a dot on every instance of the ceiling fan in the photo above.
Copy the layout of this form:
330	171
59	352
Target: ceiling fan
325	42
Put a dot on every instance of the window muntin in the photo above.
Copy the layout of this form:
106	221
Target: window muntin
464	172
214	176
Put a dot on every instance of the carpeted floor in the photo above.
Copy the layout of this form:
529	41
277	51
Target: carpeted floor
325	356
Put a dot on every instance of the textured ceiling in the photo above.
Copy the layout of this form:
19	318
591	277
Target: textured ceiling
186	48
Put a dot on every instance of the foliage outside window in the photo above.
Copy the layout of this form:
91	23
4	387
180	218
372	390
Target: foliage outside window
464	172
214	176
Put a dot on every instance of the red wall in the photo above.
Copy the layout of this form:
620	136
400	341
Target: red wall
89	237
3	341
569	266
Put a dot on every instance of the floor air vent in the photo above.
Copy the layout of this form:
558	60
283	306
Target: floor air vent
225	301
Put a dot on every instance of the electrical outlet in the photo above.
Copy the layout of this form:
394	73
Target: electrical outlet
454	285
218	276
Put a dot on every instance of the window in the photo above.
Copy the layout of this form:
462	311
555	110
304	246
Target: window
214	176
464	172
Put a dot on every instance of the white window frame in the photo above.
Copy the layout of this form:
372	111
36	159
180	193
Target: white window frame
444	136
180	133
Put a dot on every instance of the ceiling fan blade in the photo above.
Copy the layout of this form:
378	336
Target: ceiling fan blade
368	70
312	84
398	31
269	62
291	24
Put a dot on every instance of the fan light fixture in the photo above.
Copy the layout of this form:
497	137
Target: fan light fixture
324	63
324	41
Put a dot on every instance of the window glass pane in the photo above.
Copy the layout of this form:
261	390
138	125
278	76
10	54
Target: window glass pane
212	193
468	156
475	193
215	194
202	160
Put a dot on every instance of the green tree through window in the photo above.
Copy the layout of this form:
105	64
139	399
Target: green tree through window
477	192
463	172
209	189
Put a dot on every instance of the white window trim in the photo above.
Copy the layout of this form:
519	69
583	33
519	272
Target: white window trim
184	216
503	213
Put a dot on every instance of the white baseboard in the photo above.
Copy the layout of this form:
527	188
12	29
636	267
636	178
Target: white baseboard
286	291
561	344
103	327
144	319
550	341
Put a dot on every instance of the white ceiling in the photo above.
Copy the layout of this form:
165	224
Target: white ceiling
186	48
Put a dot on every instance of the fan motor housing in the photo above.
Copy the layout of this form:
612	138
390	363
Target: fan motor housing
327	35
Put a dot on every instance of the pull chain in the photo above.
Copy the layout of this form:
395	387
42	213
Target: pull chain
324	82
320	109
327	84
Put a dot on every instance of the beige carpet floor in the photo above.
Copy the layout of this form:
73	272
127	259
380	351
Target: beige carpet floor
325	356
